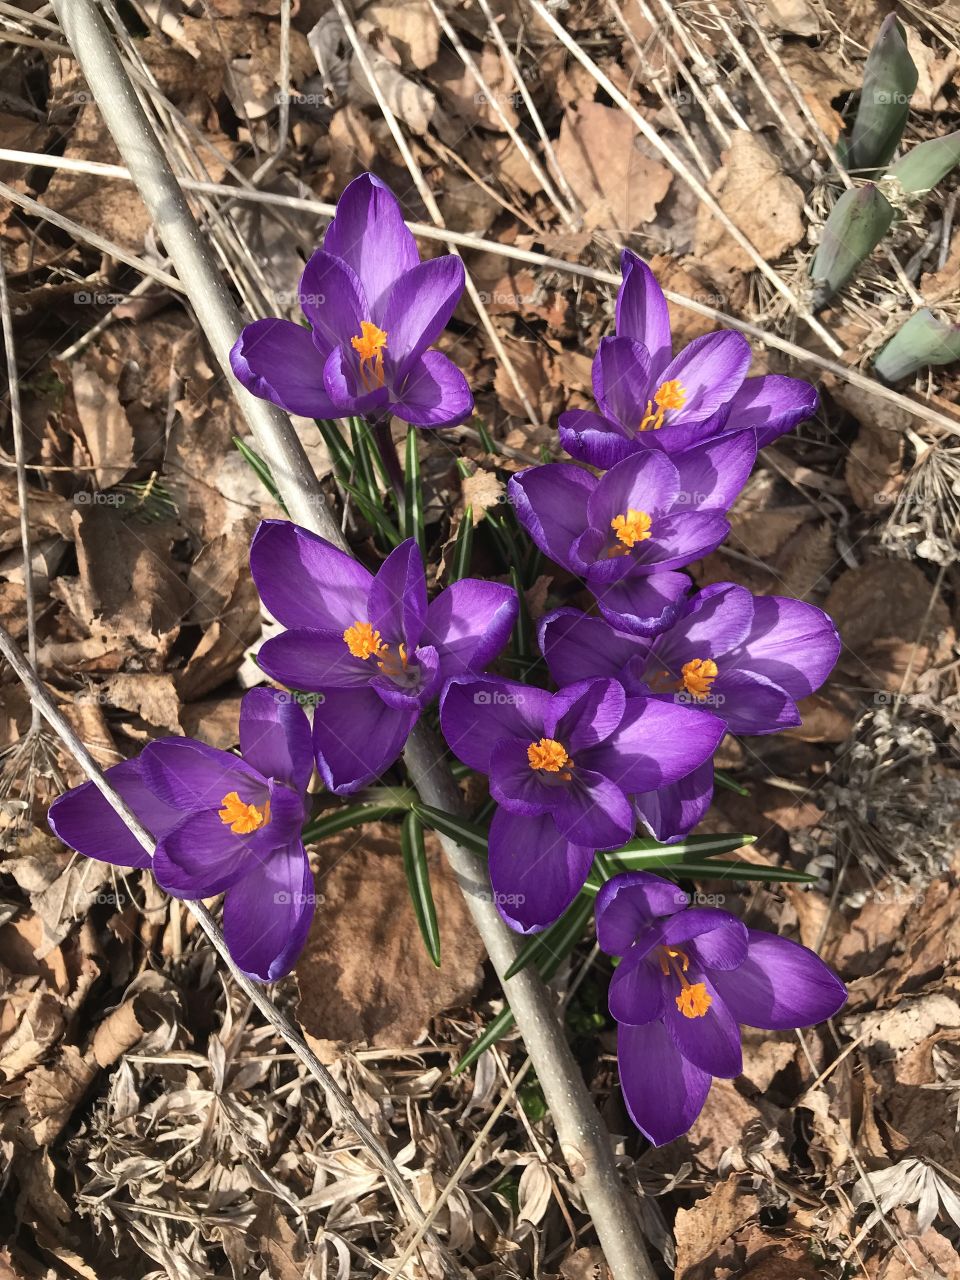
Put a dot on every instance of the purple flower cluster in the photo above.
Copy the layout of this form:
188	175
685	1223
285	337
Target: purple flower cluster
646	687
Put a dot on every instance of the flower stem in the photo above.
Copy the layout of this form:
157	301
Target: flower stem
383	438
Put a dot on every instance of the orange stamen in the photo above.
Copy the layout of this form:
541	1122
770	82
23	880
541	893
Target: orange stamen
362	641
369	345
694	999
631	528
550	756
669	395
697	676
242	818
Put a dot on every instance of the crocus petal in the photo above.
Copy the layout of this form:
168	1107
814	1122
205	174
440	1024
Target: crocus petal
593	810
535	872
190	775
414	689
637	988
628	903
398	596
710	1042
275	737
655	743
749	703
267	914
641	603
792	643
356	737
591	438
368	232
712	474
771	405
83	819
305	581
621	381
780	985
478	712
710	370
642	311
417	308
469	623
586	713
709	933
578	646
434	393
680	538
344	384
672	811
716	620
663	1090
303	658
332	299
551	504
646	482
278	361
203	856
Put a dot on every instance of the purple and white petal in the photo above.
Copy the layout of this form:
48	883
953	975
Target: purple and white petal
535	872
305	581
356	737
780	985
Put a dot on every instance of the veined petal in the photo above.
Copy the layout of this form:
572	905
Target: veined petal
357	736
585	713
792	643
578	646
203	856
673	810
189	775
772	405
368	232
275	737
780	985
592	810
518	787
642	312
678	539
713	474
417	308
84	820
469	624
278	361
663	1090
267	914
621	381
344	384
398	596
629	903
477	712
551	504
637	988
303	658
712	1041
647	482
535	871
305	581
591	438
434	393
750	704
332	299
641	603
716	620
655	743
710	370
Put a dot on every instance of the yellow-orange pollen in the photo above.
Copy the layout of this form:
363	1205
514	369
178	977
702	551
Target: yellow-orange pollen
694	1000
243	818
630	529
697	676
369	344
669	395
550	756
363	642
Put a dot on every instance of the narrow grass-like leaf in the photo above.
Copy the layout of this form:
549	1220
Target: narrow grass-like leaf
560	938
375	515
260	468
448	824
923	340
340	454
924	166
413	492
365	475
418	882
724	780
856	225
696	869
705	846
521	628
889	80
486	439
463	548
349	815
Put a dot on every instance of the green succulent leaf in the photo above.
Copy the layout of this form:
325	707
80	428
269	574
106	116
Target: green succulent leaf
924	166
923	340
857	223
889	80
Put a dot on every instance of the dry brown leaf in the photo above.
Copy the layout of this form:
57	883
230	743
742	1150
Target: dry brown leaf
481	491
759	198
617	185
702	1230
106	427
52	1093
386	991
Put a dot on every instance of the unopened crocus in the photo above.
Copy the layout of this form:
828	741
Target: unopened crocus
562	769
223	824
687	979
370	644
746	658
629	531
373	309
647	398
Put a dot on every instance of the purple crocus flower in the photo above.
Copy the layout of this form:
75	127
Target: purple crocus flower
374	308
223	824
646	399
370	644
562	769
688	976
626	532
744	658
